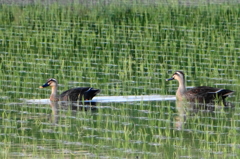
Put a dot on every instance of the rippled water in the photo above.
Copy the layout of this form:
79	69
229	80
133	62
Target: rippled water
136	115
127	129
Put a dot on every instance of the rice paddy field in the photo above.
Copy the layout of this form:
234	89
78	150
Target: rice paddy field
125	48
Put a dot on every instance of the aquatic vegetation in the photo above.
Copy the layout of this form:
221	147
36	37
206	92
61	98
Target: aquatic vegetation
122	49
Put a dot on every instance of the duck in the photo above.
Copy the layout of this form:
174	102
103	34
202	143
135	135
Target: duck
81	94
202	94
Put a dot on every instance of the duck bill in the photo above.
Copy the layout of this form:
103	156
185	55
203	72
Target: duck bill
45	85
170	79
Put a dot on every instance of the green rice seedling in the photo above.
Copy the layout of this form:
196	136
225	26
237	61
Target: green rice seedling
123	48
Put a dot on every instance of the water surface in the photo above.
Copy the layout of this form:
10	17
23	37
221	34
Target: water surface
127	51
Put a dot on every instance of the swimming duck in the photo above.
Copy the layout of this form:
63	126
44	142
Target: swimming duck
201	94
73	95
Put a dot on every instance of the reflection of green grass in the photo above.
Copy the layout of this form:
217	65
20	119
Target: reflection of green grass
122	50
143	129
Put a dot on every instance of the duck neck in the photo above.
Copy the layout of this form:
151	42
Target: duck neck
181	90
54	94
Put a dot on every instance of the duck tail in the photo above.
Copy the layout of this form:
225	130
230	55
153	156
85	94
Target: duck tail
90	93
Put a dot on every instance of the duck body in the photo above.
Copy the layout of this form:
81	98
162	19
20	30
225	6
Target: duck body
74	95
202	94
205	94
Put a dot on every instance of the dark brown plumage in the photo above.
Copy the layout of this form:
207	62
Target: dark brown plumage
80	93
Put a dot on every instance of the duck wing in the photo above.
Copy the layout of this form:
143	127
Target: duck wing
79	93
207	94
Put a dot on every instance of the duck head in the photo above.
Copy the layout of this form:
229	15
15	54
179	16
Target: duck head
50	82
179	76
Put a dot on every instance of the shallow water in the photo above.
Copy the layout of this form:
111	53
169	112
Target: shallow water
110	99
127	54
117	130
